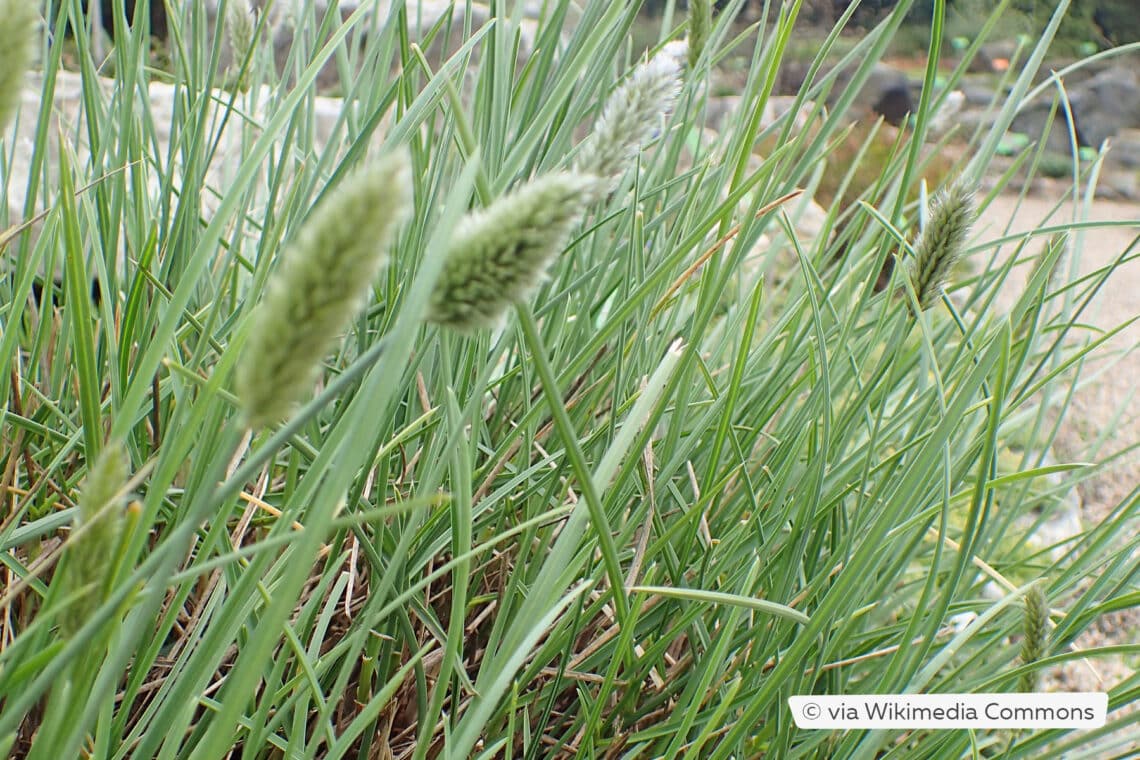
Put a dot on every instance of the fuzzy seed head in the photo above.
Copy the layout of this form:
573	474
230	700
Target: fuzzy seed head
17	33
1034	643
499	255
322	280
700	26
241	24
97	529
942	242
632	115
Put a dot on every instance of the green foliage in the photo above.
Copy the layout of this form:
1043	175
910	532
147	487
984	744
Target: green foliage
1100	23
1116	20
632	522
1055	165
858	163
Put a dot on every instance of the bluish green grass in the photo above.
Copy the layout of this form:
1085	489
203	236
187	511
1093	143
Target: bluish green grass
685	480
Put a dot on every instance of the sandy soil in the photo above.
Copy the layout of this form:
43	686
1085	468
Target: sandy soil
1118	301
1096	405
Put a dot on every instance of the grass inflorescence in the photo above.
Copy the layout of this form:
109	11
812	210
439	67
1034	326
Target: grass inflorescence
632	115
1035	635
943	242
500	254
323	277
96	536
702	465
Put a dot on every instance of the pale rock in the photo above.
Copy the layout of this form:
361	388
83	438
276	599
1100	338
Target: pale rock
946	117
289	16
723	108
958	623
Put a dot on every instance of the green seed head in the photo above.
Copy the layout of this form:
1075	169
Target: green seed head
632	115
322	280
942	242
17	33
700	26
499	255
241	24
96	532
1034	644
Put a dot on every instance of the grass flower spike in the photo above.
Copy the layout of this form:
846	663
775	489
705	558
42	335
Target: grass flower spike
1036	634
323	277
632	114
97	529
241	24
700	25
942	242
17	28
499	254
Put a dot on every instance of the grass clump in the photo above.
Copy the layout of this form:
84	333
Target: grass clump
630	523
